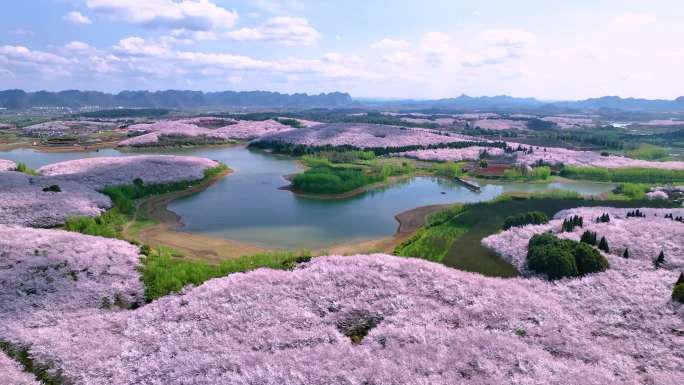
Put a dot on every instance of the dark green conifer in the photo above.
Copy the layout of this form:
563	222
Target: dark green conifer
603	245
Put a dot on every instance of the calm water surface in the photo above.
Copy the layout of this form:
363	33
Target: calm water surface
248	206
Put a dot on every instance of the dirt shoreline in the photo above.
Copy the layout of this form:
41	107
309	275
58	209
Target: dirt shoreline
164	232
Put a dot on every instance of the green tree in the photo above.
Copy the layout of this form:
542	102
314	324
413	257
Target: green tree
603	245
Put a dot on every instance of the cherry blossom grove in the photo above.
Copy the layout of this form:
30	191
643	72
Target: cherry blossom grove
12	373
99	172
645	236
243	129
500	124
48	276
433	325
556	155
452	154
23	200
363	135
28	201
7	165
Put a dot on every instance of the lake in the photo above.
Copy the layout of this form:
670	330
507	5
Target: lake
248	206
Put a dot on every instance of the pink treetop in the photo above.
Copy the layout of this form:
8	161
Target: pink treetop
555	155
363	135
7	165
426	323
99	172
24	202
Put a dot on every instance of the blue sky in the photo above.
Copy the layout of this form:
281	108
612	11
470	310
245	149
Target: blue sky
402	49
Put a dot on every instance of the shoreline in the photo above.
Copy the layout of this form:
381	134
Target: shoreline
164	231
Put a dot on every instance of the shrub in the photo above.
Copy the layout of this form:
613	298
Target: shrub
558	258
625	254
589	260
553	261
52	188
519	220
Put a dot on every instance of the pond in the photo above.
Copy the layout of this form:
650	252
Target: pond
248	206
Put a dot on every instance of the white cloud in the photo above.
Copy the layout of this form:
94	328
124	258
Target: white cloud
390	44
438	48
282	30
23	54
332	57
78	46
492	55
136	46
195	15
75	17
636	18
194	35
399	58
508	37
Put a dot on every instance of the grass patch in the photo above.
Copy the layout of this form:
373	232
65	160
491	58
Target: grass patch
108	224
630	175
124	196
326	177
433	241
163	273
523	173
22	167
648	152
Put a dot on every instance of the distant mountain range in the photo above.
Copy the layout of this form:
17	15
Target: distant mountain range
175	99
509	103
20	100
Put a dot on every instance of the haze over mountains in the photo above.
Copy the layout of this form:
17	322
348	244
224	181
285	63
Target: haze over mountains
180	99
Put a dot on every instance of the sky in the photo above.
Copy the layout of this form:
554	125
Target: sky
548	49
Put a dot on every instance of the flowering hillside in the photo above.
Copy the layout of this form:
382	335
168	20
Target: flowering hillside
500	124
362	135
452	154
24	200
99	172
68	189
193	128
425	323
251	129
556	155
49	276
7	165
645	236
11	373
